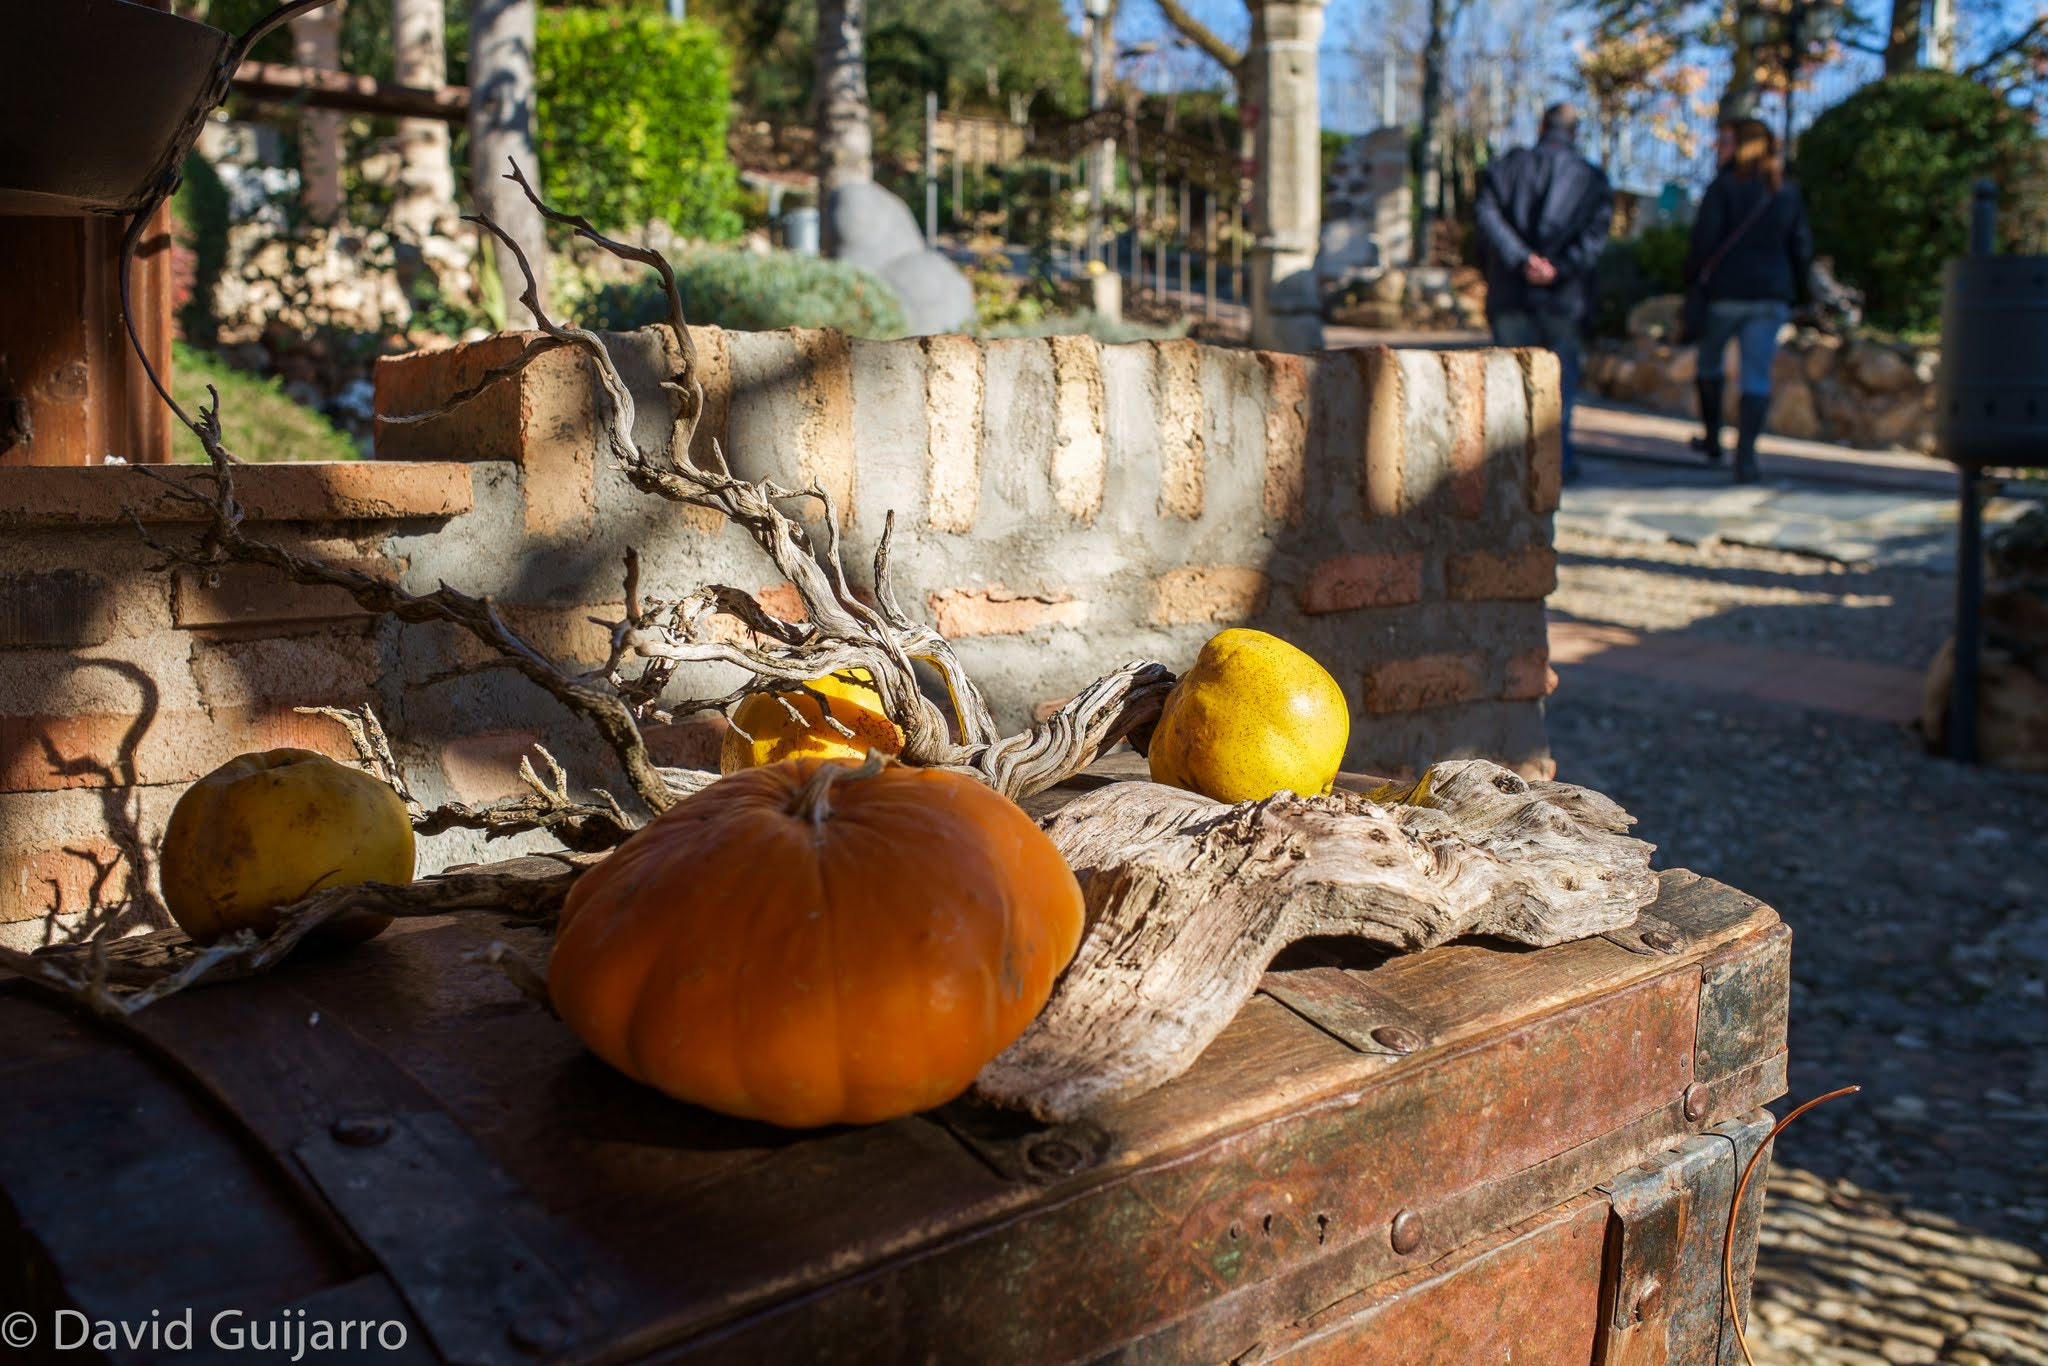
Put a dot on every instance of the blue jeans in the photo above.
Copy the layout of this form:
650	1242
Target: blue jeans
1552	332
1753	325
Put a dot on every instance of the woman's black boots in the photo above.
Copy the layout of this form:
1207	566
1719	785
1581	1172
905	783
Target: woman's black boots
1710	416
1755	408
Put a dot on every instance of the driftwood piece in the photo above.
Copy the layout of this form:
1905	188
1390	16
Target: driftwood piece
1190	899
117	977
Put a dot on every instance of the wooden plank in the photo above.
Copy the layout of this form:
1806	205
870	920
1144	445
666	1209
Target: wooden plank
1531	1293
322	89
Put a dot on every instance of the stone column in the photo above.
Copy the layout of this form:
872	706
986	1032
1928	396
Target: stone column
1286	175
316	42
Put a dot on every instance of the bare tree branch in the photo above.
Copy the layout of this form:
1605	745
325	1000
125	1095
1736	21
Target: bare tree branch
1203	37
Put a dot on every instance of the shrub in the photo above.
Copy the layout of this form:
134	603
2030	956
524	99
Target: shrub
632	115
751	292
259	421
1634	269
1887	176
201	210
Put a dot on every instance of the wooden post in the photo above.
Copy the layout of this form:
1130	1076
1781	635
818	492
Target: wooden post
72	390
1159	224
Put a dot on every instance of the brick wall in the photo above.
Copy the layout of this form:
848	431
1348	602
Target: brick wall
1062	507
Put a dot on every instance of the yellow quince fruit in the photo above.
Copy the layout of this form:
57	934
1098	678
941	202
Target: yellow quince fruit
1254	716
855	703
265	830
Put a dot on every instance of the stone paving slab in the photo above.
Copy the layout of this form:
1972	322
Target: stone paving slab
1886	508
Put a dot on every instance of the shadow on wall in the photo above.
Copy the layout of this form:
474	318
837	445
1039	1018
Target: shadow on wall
1062	507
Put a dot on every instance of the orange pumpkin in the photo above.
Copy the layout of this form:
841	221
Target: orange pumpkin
809	943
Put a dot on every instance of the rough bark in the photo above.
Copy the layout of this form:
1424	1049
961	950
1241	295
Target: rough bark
316	42
425	199
1189	900
501	131
846	140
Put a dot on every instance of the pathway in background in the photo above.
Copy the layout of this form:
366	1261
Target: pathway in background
1750	706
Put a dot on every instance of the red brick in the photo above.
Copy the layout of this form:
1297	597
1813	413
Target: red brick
1386	431
1345	583
1286	436
48	753
693	743
485	767
1427	681
826	438
1221	592
996	611
257	595
1486	576
317	491
62	880
784	601
1529	677
1541	379
1465	379
1047	709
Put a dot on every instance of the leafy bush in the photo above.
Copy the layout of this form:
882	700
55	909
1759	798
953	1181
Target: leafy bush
259	421
200	208
1633	269
632	115
748	291
1887	176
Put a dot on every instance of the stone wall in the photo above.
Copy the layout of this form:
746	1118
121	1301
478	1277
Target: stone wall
1823	389
1062	508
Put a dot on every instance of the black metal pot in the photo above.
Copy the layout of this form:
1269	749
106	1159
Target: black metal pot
100	100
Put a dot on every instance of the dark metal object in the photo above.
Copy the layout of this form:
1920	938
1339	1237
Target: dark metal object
100	100
1406	1232
1341	1001
1663	941
1991	409
360	1131
1396	1039
1696	1096
1670	1220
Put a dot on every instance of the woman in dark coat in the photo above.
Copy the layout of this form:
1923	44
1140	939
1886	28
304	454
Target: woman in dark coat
1751	251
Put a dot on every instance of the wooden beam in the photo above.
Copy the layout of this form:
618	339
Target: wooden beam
340	90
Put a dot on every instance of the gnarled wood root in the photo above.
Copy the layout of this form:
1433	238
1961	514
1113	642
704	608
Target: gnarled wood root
1190	899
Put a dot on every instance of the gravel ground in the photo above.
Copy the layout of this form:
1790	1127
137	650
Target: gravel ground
1918	896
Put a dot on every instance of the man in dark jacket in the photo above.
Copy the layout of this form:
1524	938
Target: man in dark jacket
1544	214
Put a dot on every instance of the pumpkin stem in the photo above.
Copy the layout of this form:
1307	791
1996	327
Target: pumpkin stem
812	802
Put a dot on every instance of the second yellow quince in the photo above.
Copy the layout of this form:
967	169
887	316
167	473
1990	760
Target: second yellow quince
1254	716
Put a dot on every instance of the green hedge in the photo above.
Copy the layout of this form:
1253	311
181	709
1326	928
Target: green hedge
1887	175
632	115
1633	269
747	291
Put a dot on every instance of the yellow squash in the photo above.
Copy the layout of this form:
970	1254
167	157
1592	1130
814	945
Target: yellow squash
265	830
775	734
1254	716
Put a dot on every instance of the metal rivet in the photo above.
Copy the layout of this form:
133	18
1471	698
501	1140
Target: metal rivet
1397	1038
1663	941
1407	1231
360	1131
1695	1101
538	1331
1649	1302
1055	1157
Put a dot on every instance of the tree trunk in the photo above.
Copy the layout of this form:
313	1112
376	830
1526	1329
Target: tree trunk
500	131
1432	138
316	42
1902	40
425	198
846	140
